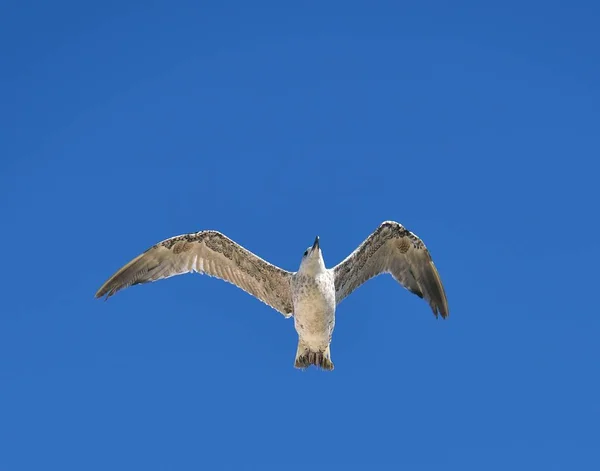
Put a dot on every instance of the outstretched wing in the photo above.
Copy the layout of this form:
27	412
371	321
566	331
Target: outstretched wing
395	250
214	254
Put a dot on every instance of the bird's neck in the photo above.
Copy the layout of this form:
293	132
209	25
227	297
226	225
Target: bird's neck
313	267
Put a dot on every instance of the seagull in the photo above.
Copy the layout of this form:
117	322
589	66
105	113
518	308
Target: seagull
310	295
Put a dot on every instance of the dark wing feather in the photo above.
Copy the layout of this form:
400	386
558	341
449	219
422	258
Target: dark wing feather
395	250
214	254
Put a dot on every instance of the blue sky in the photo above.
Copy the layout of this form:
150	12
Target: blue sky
124	123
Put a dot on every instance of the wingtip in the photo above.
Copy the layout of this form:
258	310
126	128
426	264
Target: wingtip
440	311
443	308
439	305
103	292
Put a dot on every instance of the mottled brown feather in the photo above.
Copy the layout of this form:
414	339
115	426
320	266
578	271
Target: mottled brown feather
395	250
214	254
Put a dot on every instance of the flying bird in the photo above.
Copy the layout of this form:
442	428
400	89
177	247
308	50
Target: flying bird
311	294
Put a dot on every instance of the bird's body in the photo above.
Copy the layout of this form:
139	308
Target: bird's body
313	297
311	294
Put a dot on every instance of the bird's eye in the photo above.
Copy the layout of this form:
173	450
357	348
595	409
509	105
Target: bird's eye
306	253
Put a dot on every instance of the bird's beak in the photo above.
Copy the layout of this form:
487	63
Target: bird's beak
316	244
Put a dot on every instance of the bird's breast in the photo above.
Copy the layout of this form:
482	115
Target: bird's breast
314	307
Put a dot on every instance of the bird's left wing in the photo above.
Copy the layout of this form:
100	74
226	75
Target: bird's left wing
212	253
395	250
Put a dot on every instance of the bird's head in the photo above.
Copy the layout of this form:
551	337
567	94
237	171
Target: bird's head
312	260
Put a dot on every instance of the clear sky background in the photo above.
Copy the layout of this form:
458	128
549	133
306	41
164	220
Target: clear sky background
477	127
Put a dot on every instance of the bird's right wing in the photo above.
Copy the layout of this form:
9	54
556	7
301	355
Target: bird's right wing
212	253
395	250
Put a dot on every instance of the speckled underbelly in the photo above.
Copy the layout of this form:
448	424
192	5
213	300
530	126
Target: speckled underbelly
314	315
314	323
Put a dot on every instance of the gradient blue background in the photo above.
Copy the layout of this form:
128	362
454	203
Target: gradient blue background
126	123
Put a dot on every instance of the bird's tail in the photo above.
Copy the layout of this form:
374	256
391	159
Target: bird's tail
305	356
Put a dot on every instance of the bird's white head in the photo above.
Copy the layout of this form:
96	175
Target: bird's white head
312	260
